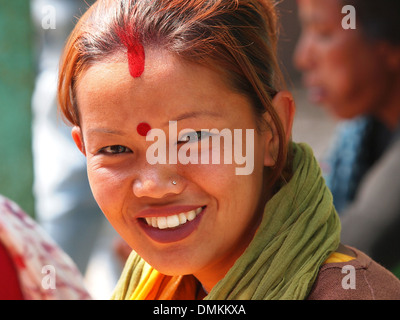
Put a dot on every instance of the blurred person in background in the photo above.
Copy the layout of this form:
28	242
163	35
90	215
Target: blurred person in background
32	266
355	74
65	207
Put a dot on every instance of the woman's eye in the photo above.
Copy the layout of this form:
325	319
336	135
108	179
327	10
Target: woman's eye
117	149
193	136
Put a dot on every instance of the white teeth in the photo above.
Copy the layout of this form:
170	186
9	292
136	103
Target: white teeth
191	215
173	221
162	223
182	218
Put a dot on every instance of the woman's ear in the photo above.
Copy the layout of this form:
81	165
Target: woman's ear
78	138
285	108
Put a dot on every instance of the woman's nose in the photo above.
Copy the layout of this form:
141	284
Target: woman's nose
157	183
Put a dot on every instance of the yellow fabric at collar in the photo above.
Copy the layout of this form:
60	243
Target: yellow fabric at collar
337	257
156	286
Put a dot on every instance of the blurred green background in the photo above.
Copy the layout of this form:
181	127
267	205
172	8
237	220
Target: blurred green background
16	87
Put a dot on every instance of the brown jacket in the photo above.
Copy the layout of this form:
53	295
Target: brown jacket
359	279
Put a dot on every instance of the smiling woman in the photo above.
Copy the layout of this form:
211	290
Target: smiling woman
200	230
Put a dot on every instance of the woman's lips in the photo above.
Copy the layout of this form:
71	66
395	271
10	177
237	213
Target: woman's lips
173	221
171	224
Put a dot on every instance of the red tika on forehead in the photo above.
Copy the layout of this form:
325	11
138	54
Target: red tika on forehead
143	129
136	56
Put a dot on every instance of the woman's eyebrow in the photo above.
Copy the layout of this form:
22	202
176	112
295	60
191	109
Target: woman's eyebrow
197	114
106	131
186	115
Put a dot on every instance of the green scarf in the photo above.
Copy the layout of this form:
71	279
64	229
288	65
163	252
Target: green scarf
299	230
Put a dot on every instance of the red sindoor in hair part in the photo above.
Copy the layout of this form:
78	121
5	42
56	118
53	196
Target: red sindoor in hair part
136	55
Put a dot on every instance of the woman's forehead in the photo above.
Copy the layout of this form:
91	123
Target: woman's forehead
162	70
168	84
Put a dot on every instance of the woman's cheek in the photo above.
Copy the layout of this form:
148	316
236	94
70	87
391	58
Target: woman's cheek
107	187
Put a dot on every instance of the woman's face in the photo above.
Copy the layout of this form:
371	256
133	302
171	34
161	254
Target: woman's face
223	207
341	70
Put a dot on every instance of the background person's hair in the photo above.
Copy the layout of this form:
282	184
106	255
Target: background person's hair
237	37
378	20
